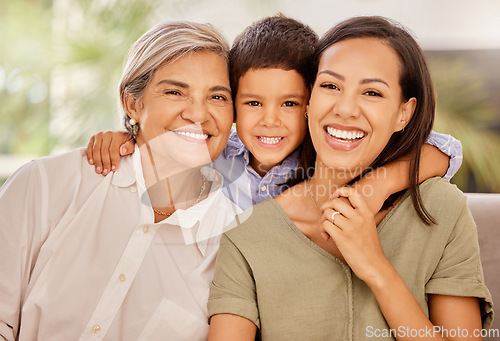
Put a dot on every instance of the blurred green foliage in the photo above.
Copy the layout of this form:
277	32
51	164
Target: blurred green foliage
465	111
74	48
25	67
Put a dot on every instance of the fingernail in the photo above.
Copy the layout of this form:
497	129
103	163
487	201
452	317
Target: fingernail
113	168
123	150
325	235
105	171
91	161
98	169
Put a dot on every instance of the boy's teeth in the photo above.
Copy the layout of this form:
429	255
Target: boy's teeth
192	135
270	140
346	135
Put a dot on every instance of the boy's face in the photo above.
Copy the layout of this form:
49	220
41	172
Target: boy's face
270	106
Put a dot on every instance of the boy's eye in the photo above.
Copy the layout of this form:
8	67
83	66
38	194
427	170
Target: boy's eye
329	86
373	93
253	103
290	104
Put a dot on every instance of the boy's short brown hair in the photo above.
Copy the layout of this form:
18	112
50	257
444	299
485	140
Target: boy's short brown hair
274	42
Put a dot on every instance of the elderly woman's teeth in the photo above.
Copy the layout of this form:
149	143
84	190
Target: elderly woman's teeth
192	135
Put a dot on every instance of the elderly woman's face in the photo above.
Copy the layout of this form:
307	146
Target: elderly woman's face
186	112
356	103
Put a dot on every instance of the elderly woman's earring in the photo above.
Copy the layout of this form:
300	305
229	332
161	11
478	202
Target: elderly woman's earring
305	114
135	127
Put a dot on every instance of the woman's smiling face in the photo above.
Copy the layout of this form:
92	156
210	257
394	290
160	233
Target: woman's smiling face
186	111
356	103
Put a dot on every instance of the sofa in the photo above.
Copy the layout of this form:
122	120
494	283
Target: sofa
485	209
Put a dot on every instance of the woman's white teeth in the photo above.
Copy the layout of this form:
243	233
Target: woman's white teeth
342	134
193	135
270	140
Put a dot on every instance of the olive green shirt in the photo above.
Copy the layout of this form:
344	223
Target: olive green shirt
269	272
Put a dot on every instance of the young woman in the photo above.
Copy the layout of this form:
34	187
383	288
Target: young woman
129	256
310	266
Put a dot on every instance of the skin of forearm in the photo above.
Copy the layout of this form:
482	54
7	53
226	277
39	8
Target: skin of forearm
401	310
229	327
398	305
433	162
395	174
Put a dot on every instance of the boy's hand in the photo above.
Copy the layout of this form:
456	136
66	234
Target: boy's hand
105	148
378	185
373	190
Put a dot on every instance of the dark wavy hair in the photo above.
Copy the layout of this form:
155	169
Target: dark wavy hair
274	42
415	81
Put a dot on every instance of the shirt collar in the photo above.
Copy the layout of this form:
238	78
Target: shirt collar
290	163
210	215
124	176
235	147
138	174
203	221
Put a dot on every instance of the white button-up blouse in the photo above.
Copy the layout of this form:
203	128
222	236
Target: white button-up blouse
81	256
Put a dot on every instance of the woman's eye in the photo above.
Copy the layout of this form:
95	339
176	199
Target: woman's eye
172	92
219	98
329	86
373	93
290	104
253	103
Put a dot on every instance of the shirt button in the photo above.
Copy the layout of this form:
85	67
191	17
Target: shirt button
122	278
133	189
263	188
96	329
146	229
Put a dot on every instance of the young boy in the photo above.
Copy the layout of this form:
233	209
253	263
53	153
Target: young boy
271	71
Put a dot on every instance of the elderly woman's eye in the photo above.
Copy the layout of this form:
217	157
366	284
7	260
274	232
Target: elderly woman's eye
172	92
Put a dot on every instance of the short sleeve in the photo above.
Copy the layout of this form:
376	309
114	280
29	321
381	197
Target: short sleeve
233	288
459	272
449	146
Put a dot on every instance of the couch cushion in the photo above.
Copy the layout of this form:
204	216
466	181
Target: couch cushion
485	209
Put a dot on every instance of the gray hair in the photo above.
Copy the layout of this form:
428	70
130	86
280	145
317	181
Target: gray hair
164	43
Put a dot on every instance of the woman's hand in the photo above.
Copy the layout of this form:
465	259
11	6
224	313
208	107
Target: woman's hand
105	148
354	232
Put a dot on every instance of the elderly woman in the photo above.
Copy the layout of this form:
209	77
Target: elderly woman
128	256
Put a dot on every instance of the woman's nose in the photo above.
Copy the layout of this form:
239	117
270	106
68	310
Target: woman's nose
196	111
346	106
